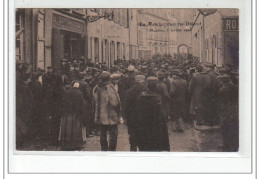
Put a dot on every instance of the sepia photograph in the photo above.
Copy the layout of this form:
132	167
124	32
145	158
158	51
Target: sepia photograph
127	79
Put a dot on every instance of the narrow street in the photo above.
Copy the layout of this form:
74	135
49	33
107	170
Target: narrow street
190	140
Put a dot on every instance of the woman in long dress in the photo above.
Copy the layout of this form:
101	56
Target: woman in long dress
72	116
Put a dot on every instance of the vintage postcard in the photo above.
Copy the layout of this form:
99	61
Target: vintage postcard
133	87
127	79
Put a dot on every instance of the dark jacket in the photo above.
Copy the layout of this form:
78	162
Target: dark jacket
163	91
72	116
152	126
178	97
130	104
198	85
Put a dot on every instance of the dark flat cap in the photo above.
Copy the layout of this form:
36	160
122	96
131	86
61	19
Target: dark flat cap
152	80
105	75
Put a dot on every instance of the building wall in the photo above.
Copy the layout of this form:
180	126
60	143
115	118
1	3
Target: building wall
208	39
152	39
173	39
213	39
197	37
184	17
112	37
133	38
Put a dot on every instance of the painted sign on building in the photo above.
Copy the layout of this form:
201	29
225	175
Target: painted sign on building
65	23
230	24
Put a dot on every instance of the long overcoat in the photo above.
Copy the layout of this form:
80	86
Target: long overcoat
152	127
229	112
178	97
72	115
198	86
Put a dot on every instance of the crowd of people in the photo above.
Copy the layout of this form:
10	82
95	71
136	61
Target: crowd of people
81	99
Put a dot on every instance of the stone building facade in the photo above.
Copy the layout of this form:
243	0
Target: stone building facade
153	38
45	36
215	38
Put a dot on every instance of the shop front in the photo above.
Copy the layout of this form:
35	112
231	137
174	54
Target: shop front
231	41
68	38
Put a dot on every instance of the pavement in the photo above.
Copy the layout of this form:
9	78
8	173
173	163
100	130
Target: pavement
193	139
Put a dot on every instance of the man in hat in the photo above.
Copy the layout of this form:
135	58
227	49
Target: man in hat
178	99
211	93
107	111
38	115
144	70
88	121
197	88
152	126
24	101
64	67
72	74
115	80
127	82
53	89
164	92
130	110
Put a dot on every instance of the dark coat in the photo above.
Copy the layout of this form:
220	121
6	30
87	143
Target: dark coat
212	98
88	98
229	113
178	97
163	91
72	116
53	91
24	102
130	111
153	132
198	85
38	114
125	84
